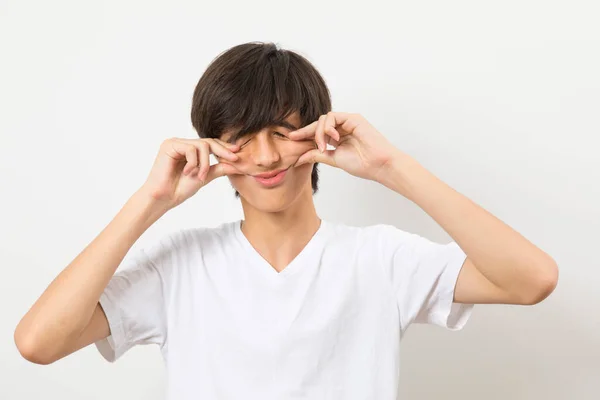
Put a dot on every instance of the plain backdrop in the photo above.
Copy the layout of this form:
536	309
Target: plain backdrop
501	100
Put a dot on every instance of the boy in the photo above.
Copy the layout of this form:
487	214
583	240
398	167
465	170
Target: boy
281	304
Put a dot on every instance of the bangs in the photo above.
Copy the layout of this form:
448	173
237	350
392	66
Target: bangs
265	95
255	86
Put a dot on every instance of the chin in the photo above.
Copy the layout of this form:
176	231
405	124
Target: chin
271	200
267	205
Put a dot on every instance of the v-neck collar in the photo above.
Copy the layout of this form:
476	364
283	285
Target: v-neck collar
264	266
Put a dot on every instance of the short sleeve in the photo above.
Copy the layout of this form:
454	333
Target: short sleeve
134	302
423	275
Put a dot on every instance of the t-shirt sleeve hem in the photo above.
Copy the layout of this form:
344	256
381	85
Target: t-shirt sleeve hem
451	315
113	346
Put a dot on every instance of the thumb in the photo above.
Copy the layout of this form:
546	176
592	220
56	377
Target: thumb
315	156
221	169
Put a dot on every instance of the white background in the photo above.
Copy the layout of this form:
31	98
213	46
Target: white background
499	99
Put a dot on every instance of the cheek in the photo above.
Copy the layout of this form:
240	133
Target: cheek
299	148
303	173
237	180
289	151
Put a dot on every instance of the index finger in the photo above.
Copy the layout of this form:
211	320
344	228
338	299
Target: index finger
334	120
307	132
221	169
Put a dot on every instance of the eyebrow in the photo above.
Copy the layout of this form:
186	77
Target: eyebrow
287	125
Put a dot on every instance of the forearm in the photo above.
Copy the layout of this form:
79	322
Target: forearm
64	309
501	254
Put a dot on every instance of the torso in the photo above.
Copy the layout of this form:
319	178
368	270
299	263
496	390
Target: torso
325	327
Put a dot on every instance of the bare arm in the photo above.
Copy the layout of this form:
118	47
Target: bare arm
501	266
67	316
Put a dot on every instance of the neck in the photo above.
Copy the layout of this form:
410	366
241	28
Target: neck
280	236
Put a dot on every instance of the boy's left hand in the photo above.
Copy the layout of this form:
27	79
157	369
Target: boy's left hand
360	149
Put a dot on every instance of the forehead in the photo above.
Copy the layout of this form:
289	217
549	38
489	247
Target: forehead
291	123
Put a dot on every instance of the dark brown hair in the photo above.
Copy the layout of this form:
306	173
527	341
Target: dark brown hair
255	85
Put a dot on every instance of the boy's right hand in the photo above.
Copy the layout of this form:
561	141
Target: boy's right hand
182	167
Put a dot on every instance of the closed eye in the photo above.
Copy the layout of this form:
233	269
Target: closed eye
277	134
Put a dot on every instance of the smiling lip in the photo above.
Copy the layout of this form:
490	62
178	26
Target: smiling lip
272	178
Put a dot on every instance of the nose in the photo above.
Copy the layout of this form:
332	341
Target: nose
264	151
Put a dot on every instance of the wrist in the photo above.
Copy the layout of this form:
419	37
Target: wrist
145	208
404	175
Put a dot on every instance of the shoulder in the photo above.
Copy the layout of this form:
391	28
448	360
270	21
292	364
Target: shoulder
187	241
370	233
378	238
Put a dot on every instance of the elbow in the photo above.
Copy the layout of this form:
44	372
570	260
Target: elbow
543	284
30	348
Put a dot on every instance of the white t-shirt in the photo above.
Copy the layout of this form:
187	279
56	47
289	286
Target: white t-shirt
327	327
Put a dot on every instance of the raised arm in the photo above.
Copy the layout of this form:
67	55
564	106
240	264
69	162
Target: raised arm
501	267
68	316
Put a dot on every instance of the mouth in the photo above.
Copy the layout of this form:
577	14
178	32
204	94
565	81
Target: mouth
272	178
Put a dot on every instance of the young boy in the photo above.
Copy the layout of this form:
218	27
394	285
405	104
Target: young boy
281	304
